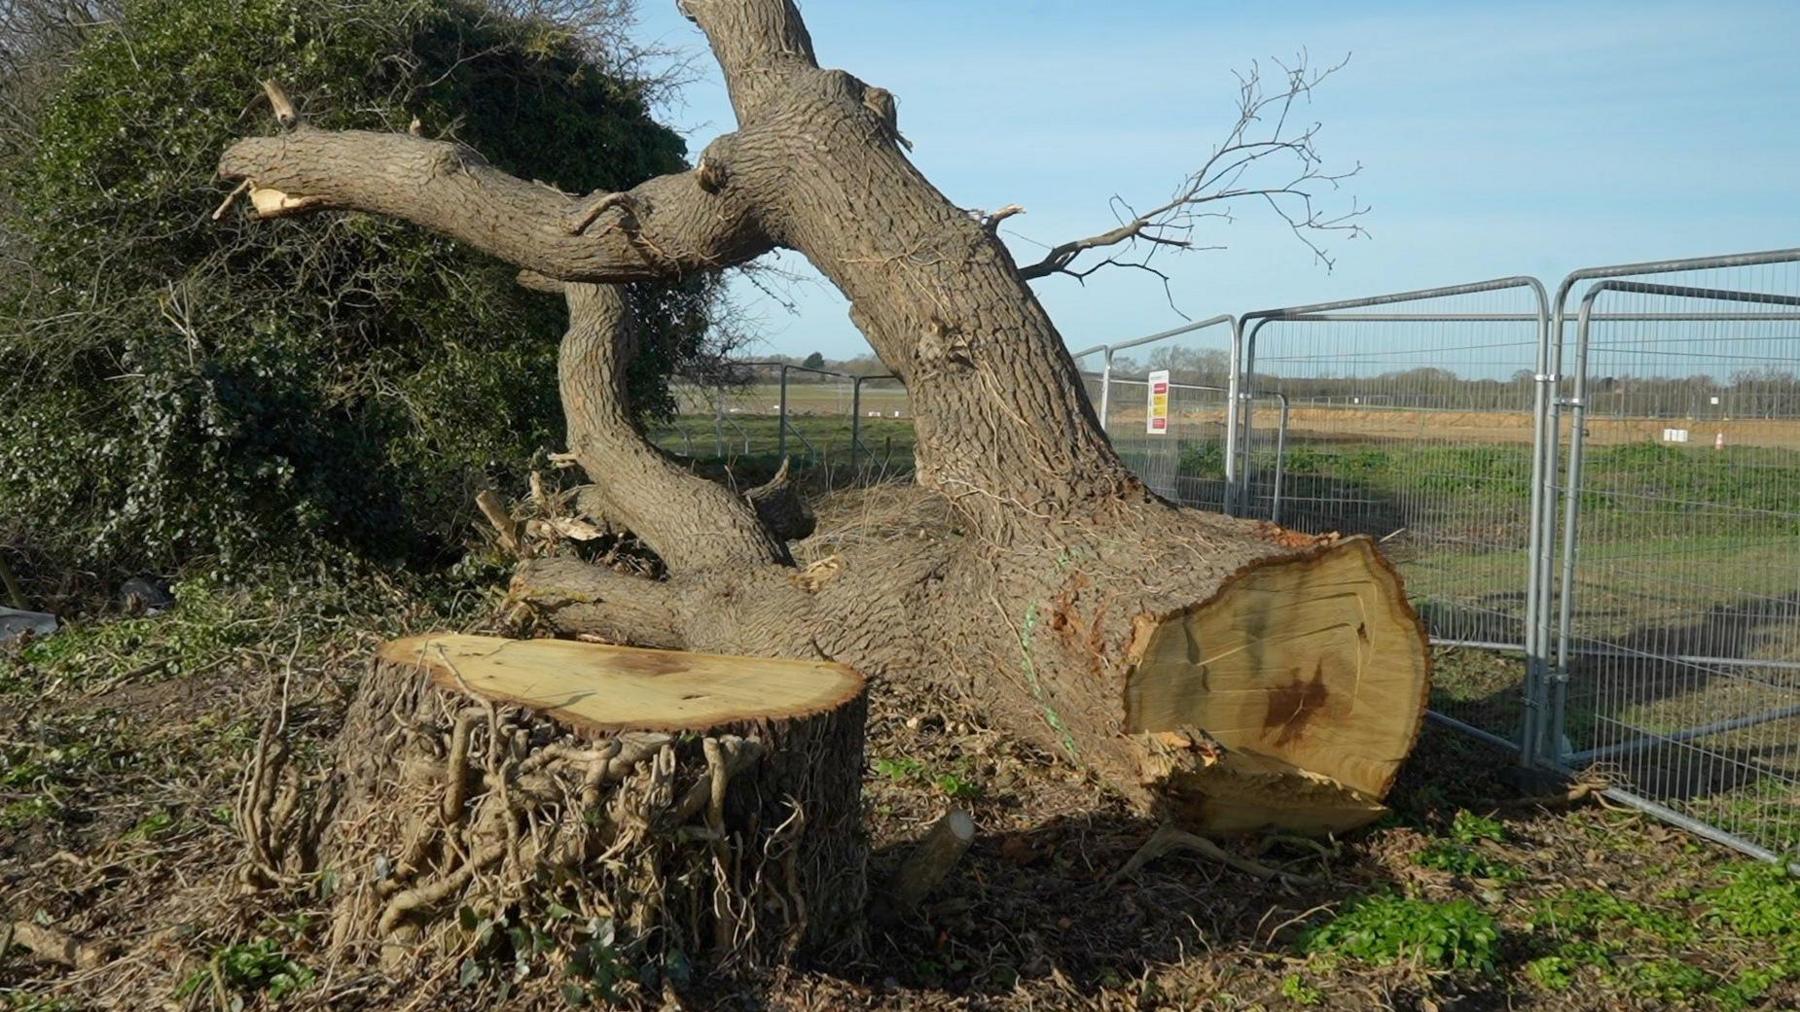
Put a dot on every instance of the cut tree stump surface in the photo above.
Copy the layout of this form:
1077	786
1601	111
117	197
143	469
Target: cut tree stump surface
1311	673
593	687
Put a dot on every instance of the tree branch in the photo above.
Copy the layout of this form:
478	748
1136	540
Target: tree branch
614	606
692	523
661	229
1208	191
758	44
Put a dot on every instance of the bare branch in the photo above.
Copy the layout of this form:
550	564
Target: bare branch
1260	144
992	219
692	523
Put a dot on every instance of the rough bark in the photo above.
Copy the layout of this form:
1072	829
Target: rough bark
691	523
1056	636
1031	571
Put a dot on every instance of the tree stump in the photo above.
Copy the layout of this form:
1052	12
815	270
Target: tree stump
663	806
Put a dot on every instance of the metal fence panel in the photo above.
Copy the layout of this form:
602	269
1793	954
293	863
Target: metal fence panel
1091	364
1412	418
773	410
881	428
1187	460
1678	628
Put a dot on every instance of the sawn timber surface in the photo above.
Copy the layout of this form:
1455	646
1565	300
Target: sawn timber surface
598	688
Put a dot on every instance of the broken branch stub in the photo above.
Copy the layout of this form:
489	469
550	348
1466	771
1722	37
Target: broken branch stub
932	859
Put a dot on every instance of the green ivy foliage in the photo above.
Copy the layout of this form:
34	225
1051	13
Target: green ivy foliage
179	393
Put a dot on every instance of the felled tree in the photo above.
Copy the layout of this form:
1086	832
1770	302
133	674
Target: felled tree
1226	672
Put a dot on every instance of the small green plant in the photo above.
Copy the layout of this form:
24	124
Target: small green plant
1757	901
953	785
1589	913
22	813
1469	828
899	770
249	968
1552	973
156	824
1461	854
596	967
1751	984
957	784
1295	989
1667	980
1467	862
1385	928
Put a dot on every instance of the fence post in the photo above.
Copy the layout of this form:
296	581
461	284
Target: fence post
1234	387
1105	386
1540	523
1280	458
719	421
1556	687
781	418
855	420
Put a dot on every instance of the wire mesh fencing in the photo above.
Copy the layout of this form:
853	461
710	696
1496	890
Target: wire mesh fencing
770	411
1412	418
1677	650
881	430
1090	364
1167	401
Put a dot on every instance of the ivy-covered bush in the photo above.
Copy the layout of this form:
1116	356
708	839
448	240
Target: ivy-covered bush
180	393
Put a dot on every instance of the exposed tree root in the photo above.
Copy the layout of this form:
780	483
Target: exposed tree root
738	846
1169	838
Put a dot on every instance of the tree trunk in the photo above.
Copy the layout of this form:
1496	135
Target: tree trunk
675	803
1225	672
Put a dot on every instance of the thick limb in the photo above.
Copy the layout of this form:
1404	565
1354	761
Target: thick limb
664	227
693	524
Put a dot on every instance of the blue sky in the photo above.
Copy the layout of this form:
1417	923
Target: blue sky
1495	138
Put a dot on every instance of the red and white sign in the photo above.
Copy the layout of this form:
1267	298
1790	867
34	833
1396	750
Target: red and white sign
1157	421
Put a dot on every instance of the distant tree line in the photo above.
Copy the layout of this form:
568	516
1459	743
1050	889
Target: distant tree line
1768	391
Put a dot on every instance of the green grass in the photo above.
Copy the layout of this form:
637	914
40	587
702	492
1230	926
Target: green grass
753	442
1630	947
